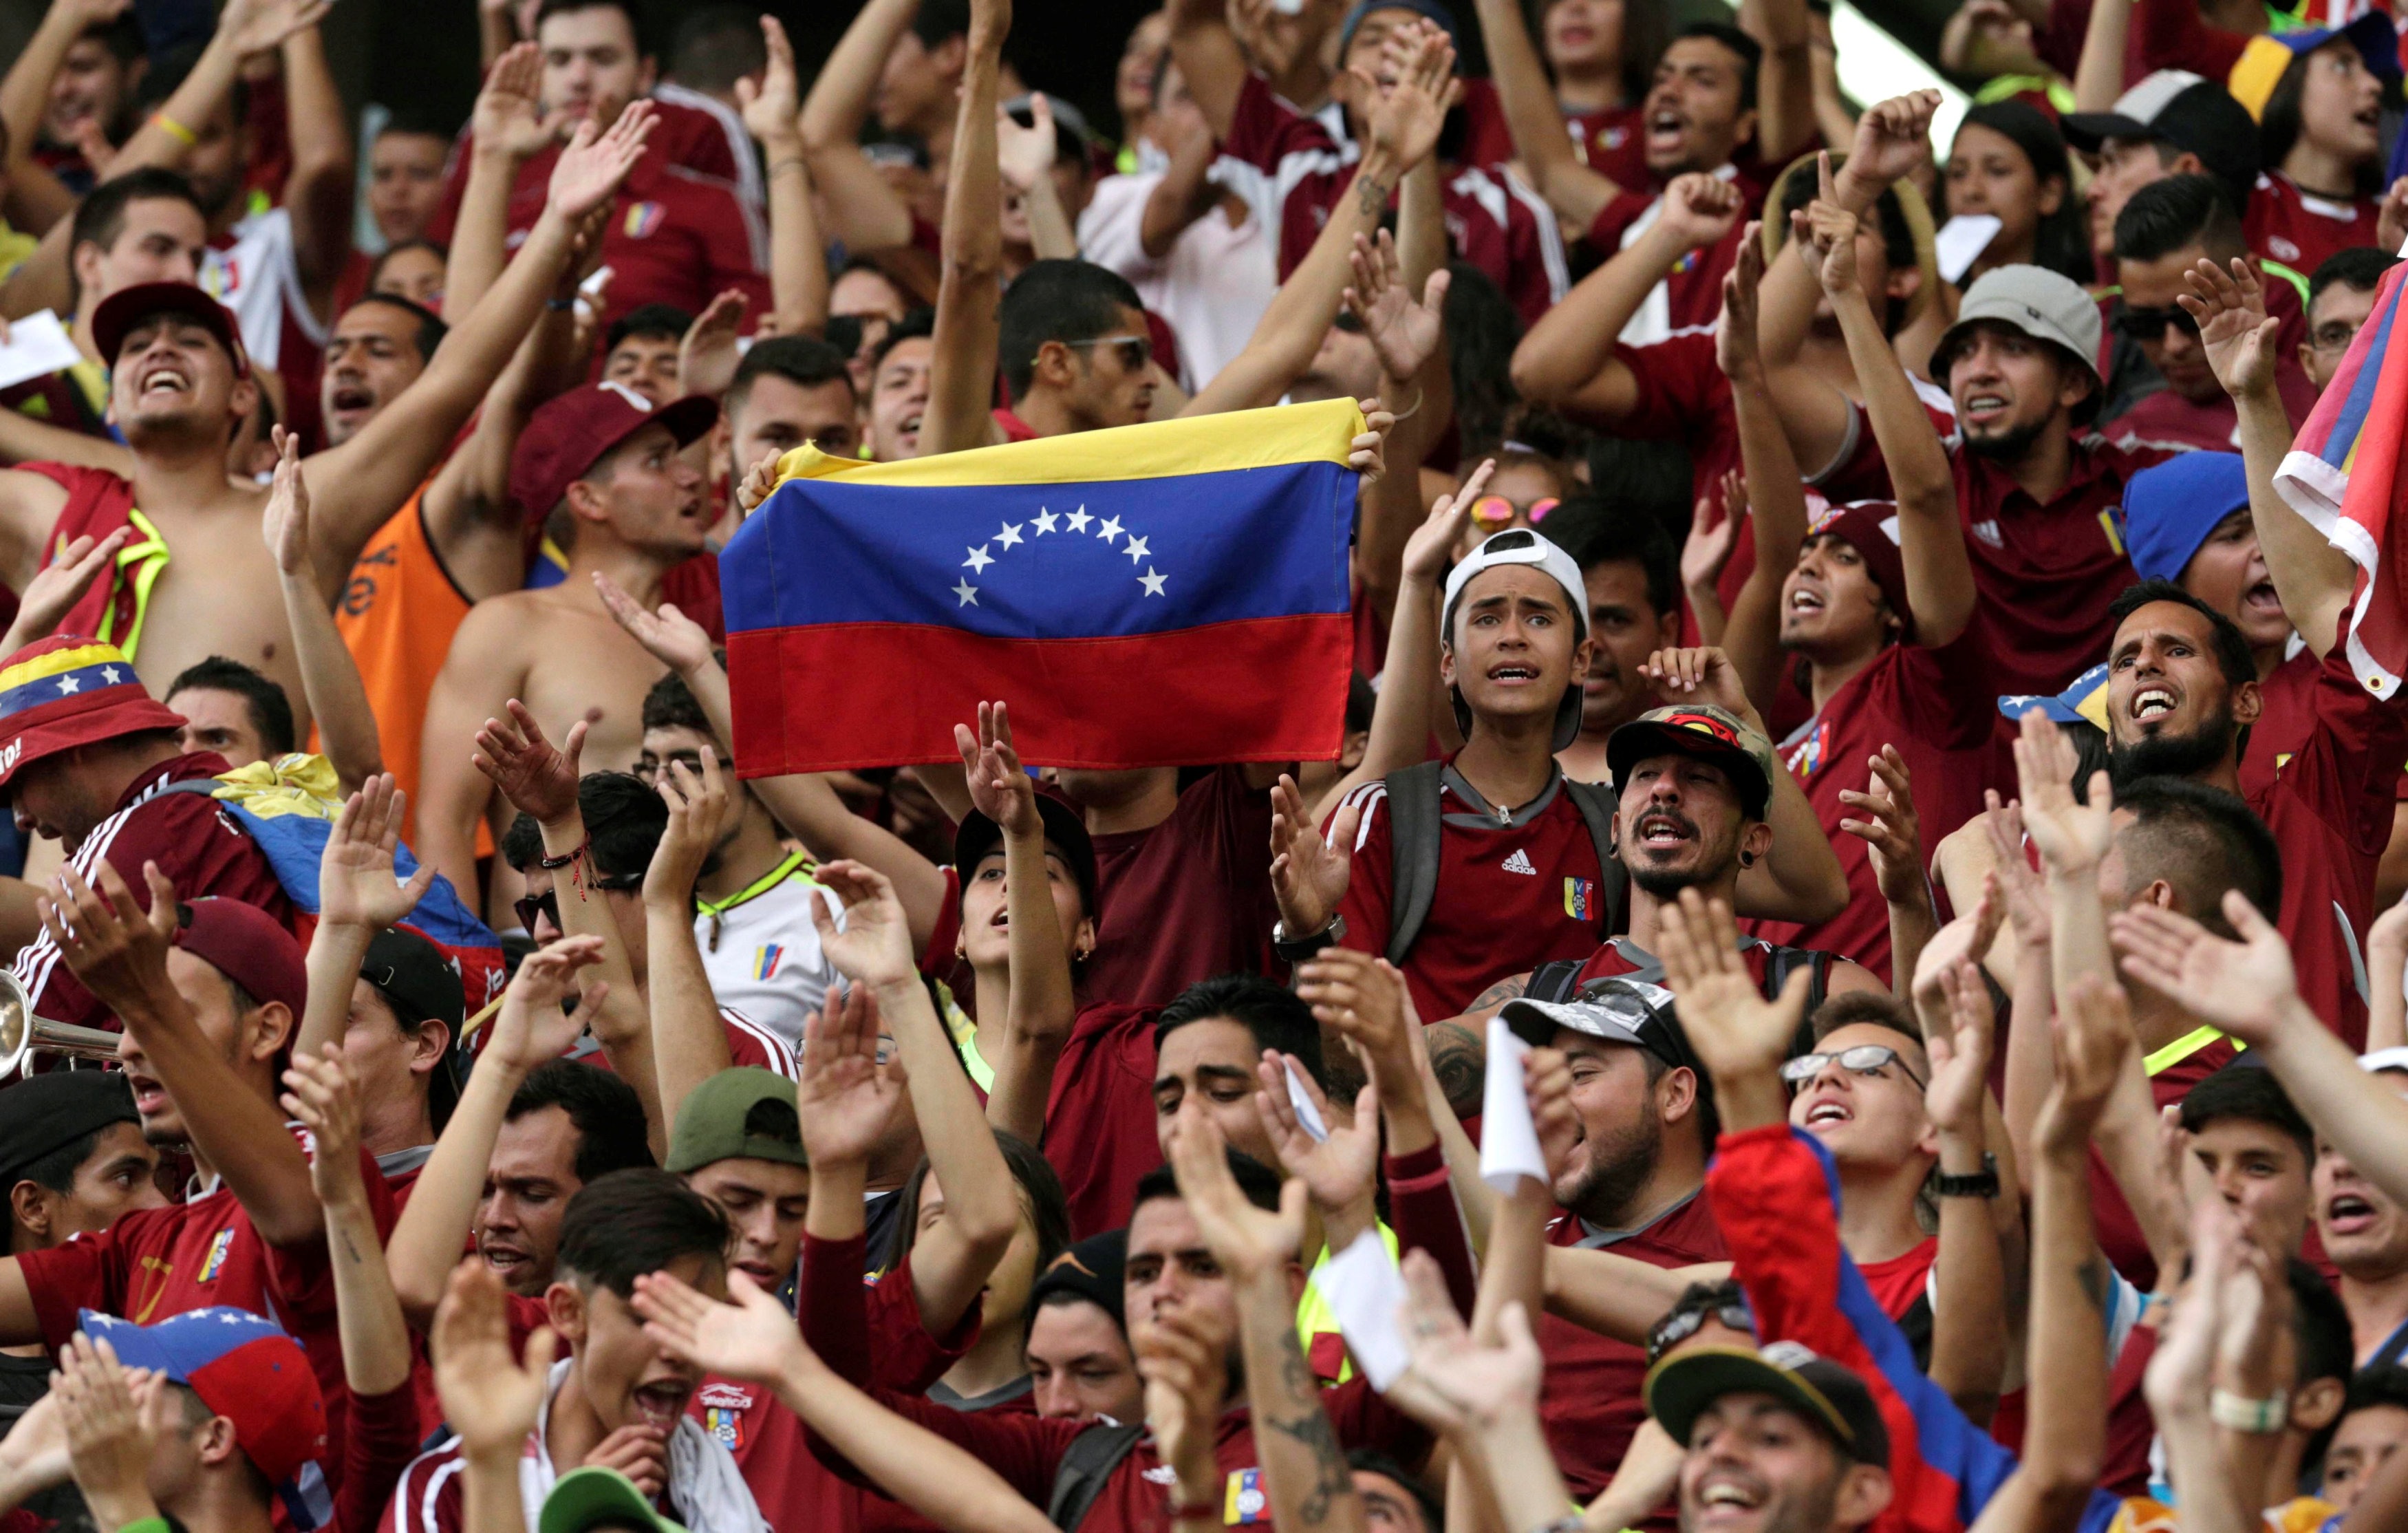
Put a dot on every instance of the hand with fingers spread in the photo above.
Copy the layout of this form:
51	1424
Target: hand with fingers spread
2071	836
2233	328
1890	829
508	114
1247	1240
1960	1058
875	946
2249	988
1340	1171
1455	1386
117	949
54	590
1308	872
1740	1037
845	1097
750	1337
321	1096
1182	1355
1714	535
2092	1029
1403	333
356	886
1404	120
531	1025
593	167
113	1426
1431	549
700	809
539	780
1000	788
1735	334
491	1396
667	635
1827	232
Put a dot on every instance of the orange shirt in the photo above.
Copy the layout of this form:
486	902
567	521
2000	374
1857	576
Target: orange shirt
397	614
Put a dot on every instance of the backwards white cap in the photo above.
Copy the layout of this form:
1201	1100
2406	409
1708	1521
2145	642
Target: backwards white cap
1518	546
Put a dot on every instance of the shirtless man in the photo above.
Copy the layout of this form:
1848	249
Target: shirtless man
636	507
199	581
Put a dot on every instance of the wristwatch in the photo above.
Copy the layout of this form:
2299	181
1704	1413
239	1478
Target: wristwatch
1296	950
1983	1184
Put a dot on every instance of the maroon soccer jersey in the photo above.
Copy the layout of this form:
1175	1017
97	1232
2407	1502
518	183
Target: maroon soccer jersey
1186	900
1099	1129
2286	222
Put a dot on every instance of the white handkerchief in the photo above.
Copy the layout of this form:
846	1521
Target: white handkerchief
1509	1140
37	344
1365	1290
1960	240
1307	1115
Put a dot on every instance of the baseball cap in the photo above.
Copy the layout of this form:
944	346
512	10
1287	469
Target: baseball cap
247	946
1871	527
2264	59
1617	1009
2169	510
2083	701
2043	304
48	1112
1680	1387
245	1368
711	1122
1521	546
420	985
1093	1270
573	433
583	1499
1065	831
1703	730
122	310
2187	111
65	691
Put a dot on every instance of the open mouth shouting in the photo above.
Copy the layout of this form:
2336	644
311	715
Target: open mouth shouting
1661	830
163	380
1828	1113
661	1402
1988	410
2152	704
1514	673
1668	131
2349	1214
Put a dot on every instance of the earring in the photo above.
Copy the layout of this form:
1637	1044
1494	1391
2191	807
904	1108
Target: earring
1747	859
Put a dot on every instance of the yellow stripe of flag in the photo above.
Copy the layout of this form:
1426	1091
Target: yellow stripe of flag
59	661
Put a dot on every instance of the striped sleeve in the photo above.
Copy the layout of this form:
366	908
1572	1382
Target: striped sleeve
750	1043
428	1497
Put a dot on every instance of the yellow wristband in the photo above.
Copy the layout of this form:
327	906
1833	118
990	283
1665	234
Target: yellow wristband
175	129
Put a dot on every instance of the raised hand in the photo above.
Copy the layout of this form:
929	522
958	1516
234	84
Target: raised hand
1000	788
2248	988
667	635
1242	1237
846	1097
2181	1368
258	26
1734	338
1351	992
1828	231
321	1096
55	589
1701	675
113	1426
750	1337
1960	1058
531	1026
707	353
1402	332
2093	1027
771	110
1431	548
1455	1386
1713	531
1891	832
1700	208
2233	329
1338	1170
285	523
593	167
875	947
490	1397
2071	836
1182	1355
1406	119
537	780
1736	1032
1025	154
508	114
699	807
1962	941
1308	873
119	951
356	886
1893	138
2020	891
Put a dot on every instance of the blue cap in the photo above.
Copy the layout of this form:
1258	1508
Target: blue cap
2083	702
1429	8
2169	510
2377	41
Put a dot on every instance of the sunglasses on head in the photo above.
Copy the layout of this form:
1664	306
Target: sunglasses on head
2150	323
1496	511
1681	1324
548	903
1136	352
1864	1059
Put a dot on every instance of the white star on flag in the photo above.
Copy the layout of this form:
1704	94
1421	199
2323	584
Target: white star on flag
1109	528
109	674
69	683
1045	519
980	558
1136	549
1077	521
1152	581
967	593
1010	536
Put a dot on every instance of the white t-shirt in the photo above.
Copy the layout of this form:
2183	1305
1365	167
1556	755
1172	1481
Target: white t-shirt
259	277
763	954
1212	285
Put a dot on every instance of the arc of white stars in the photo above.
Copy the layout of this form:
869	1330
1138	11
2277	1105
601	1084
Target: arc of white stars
1152	581
1009	537
1109	528
1135	548
1077	521
1045	519
967	592
980	558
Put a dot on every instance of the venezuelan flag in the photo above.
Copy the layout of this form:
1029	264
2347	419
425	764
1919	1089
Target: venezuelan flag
2343	474
1149	596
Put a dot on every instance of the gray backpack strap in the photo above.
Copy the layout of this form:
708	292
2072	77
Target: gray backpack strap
1086	1463
1597	805
1413	832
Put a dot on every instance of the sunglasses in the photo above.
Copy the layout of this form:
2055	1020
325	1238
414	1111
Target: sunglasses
1136	352
1681	1324
2150	323
548	903
1864	1059
1496	511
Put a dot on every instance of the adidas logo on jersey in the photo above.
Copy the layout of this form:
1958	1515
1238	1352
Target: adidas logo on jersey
1519	863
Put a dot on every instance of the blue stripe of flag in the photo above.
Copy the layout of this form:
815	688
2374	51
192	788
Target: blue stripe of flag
2335	449
81	681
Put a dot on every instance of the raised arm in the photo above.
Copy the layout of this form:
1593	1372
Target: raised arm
2099	74
320	1093
799	281
961	383
1776	500
1784	94
1025	159
506	127
491	1397
1409	339
318	192
1540	141
1969	1305
358	898
689	1044
1209	57
2177	1383
1892	138
2312	577
330	677
26	91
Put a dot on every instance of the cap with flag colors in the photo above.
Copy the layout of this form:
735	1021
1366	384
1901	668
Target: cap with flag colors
1107	584
65	691
2343	475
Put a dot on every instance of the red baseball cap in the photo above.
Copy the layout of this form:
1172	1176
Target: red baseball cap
65	691
122	310
247	946
1871	527
570	435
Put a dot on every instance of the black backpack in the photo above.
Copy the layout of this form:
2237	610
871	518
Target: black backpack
1414	828
1086	1463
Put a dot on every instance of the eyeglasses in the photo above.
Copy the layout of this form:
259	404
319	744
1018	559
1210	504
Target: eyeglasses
2150	323
1864	1059
1681	1324
2335	336
1496	511
548	903
1136	352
